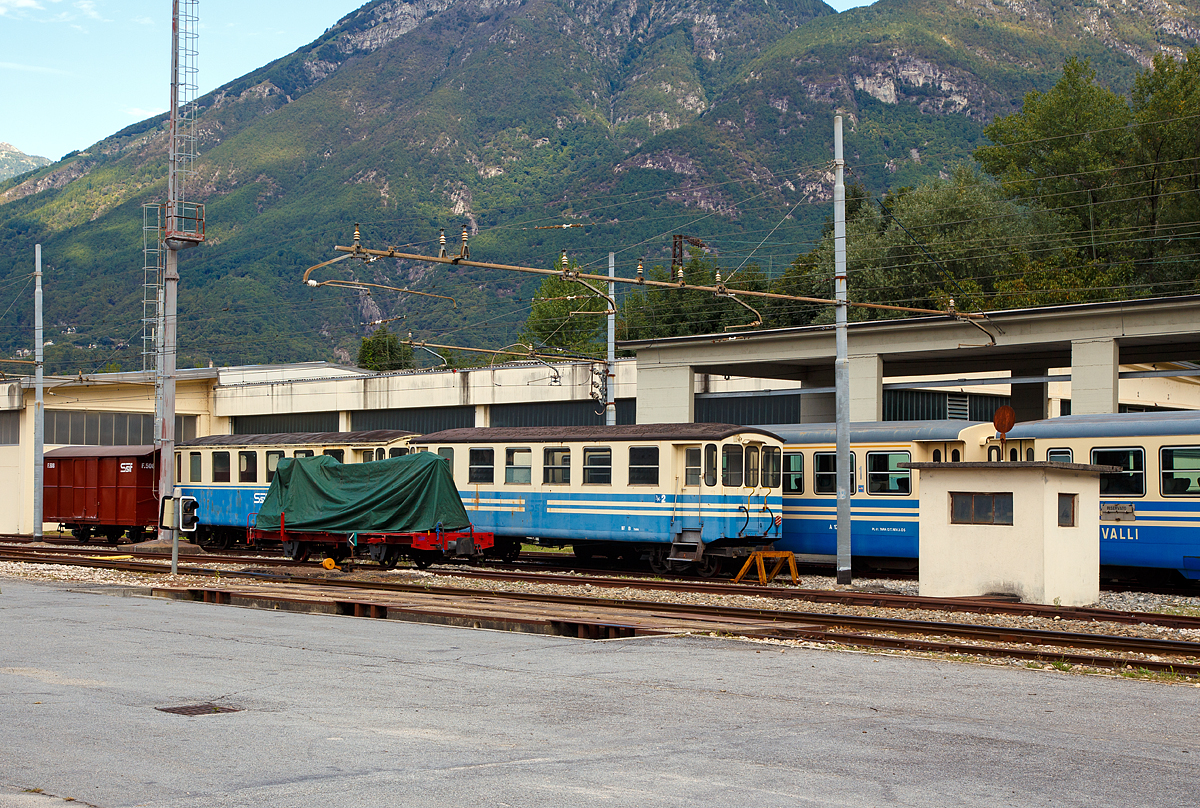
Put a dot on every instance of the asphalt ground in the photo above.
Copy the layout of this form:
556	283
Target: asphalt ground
338	711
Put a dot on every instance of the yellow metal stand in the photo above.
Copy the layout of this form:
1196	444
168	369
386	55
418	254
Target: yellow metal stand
781	557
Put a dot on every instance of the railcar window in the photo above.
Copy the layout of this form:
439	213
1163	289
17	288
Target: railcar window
194	472
771	470
955	456
750	480
1130	480
303	453
481	466
993	454
710	464
825	473
1180	471
220	461
1059	456
337	454
731	465
178	465
399	451
937	455
447	452
518	466
793	473
368	455
247	467
981	509
691	465
556	466
1029	454
597	466
273	459
884	475
643	465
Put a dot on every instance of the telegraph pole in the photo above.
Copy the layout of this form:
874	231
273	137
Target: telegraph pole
39	411
841	368
610	370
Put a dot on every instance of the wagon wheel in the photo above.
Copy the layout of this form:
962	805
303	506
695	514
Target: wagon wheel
113	535
424	558
389	557
137	534
221	540
658	561
296	551
83	534
584	552
709	566
511	551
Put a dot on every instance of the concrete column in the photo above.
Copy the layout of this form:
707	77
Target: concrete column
483	415
818	408
1095	365
345	421
866	388
1030	401
664	394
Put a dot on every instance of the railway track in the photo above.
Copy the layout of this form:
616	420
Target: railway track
601	617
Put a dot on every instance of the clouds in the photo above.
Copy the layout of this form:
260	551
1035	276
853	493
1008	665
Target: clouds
7	7
32	68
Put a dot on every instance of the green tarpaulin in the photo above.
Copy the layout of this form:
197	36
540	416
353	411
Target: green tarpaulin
401	495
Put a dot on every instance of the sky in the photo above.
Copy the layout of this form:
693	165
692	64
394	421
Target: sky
73	72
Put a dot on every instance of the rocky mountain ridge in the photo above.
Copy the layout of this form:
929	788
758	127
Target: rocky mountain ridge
635	118
14	162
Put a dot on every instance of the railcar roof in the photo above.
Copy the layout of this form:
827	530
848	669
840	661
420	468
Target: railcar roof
562	434
299	438
140	450
875	431
1116	425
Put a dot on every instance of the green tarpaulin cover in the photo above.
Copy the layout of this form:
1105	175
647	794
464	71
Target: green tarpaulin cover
401	495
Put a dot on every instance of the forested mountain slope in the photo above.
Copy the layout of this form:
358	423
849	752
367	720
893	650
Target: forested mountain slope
635	119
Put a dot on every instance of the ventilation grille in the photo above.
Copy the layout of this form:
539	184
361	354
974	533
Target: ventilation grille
198	709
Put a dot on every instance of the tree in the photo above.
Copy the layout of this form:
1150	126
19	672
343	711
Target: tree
1069	149
954	239
383	351
1166	104
652	312
566	316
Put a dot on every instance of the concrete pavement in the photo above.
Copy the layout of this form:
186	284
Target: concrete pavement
339	712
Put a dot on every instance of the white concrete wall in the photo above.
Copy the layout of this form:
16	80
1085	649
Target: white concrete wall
1033	558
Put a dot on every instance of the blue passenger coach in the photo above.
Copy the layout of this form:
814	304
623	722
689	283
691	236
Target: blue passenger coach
676	495
229	474
883	502
1150	509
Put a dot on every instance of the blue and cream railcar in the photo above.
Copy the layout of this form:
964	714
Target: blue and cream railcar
1150	509
884	504
229	474
670	493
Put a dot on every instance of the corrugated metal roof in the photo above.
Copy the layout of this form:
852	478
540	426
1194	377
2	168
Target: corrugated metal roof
300	438
561	434
874	431
1110	425
102	451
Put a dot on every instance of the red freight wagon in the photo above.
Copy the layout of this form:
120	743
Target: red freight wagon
101	490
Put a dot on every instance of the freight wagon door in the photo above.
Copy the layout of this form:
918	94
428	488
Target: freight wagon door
51	510
108	494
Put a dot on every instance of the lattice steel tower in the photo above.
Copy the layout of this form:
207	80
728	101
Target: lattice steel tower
178	225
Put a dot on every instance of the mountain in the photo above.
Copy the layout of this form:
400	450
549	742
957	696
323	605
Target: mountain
636	119
14	162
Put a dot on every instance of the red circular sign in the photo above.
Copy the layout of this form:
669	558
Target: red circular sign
1005	419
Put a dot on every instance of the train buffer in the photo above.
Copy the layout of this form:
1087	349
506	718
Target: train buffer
758	558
